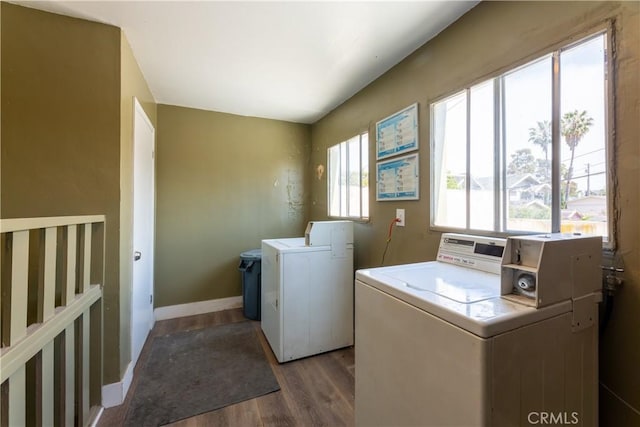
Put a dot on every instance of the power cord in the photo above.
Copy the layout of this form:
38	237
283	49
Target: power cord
393	222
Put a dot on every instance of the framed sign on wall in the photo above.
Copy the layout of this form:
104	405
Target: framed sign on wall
398	178
397	133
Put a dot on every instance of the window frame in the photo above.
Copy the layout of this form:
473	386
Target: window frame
497	80
363	151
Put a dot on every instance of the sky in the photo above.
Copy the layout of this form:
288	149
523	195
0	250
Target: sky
528	99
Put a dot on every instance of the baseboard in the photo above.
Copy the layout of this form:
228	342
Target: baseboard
200	307
115	393
94	415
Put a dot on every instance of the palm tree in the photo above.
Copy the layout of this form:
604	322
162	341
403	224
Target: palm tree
541	135
574	126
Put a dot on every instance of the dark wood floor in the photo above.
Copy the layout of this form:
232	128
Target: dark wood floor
315	391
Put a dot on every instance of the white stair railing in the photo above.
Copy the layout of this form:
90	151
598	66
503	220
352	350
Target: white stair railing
52	272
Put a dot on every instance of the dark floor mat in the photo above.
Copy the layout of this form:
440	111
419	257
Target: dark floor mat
193	372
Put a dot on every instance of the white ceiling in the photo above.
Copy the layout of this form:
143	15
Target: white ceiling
294	60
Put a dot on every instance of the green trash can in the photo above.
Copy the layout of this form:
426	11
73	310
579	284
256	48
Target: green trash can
251	269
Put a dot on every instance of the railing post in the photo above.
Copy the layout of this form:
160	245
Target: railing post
19	286
69	371
49	276
18	324
71	264
47	384
86	270
84	413
17	397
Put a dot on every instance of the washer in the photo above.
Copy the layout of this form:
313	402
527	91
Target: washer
440	344
307	291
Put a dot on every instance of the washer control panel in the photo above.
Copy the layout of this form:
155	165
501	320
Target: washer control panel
480	253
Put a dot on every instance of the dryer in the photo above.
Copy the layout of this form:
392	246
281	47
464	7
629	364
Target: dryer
459	342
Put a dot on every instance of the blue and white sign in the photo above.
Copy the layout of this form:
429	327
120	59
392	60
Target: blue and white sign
398	179
397	133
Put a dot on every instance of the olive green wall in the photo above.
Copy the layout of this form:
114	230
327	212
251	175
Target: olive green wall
67	140
60	132
492	37
224	182
132	85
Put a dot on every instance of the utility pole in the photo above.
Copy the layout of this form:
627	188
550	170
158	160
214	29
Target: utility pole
588	171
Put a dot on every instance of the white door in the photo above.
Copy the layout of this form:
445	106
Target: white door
143	229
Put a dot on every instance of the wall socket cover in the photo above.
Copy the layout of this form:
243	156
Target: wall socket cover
400	216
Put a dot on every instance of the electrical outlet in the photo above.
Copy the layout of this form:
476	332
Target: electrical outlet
400	216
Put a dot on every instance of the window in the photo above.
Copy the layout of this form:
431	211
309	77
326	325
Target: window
526	151
349	178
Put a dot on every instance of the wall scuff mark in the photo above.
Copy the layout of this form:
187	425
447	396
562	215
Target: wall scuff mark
295	194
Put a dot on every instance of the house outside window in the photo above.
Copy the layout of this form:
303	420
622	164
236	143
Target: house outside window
348	182
527	151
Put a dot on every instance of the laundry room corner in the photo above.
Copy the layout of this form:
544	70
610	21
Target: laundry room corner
224	183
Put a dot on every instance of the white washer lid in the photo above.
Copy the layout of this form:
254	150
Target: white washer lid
462	285
467	298
294	244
